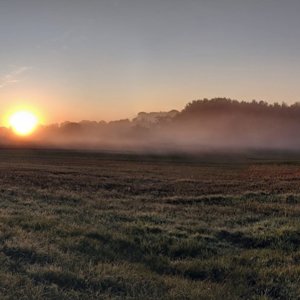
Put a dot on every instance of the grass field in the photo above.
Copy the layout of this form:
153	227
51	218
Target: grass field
97	226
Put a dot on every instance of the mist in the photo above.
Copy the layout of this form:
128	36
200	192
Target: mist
203	125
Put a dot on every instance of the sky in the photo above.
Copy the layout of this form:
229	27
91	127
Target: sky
110	59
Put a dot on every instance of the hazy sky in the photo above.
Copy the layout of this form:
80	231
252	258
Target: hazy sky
109	59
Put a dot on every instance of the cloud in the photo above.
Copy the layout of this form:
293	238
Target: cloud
13	76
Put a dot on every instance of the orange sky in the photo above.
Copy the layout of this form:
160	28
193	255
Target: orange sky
106	60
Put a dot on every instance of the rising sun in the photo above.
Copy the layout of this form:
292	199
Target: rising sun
23	122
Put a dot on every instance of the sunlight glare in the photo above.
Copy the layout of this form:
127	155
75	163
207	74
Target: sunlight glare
23	122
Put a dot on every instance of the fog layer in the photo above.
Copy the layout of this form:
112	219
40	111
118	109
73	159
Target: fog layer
202	125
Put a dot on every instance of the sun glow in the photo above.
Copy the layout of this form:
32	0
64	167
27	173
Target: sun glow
23	122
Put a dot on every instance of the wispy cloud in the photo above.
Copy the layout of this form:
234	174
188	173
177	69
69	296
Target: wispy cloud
13	76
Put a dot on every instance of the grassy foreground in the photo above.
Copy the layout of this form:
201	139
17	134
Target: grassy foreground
91	226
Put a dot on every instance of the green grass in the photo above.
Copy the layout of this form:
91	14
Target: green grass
97	226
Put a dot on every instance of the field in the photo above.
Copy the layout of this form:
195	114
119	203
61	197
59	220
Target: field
106	226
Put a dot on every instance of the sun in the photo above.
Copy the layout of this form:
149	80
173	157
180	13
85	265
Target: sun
23	122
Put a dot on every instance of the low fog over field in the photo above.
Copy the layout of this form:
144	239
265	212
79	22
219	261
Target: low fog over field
202	125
